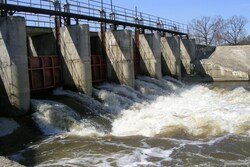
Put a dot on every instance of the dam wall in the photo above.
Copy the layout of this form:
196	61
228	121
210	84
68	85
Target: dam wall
14	66
170	61
36	58
224	63
76	57
120	53
150	51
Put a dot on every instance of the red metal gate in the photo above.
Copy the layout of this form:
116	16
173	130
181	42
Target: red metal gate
44	72
98	67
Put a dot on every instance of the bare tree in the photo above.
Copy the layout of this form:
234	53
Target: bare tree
207	29
245	40
235	29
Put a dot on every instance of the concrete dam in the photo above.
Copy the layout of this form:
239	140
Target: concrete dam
74	56
85	83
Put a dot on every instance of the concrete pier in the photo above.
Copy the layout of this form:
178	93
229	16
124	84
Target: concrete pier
14	65
120	53
75	50
171	63
150	51
187	48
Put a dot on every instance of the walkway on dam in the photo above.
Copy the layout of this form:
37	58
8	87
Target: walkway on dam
38	13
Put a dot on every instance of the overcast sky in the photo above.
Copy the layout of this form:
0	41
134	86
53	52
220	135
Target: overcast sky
185	10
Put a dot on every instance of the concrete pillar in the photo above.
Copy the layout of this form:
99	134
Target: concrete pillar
14	63
171	63
76	55
150	51
187	54
120	53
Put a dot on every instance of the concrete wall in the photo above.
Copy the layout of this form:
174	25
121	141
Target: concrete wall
40	45
14	64
170	50
120	53
226	63
96	43
75	49
187	48
203	51
150	51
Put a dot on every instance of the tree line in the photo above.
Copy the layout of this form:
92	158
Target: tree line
218	31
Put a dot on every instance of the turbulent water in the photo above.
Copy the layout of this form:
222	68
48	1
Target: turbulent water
159	123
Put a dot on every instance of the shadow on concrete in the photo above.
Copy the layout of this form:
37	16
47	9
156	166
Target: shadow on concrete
72	62
169	62
120	57
40	45
202	52
148	60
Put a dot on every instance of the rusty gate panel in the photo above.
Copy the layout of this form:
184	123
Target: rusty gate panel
98	68
44	72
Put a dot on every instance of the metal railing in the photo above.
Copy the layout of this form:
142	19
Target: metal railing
94	8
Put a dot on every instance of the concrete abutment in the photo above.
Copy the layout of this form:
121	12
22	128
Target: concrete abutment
171	62
76	57
150	51
14	65
120	53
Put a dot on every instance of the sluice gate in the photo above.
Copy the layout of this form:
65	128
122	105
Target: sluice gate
44	72
98	68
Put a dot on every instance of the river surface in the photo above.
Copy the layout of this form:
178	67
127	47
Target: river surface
159	123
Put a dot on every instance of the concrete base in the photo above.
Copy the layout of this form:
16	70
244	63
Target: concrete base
14	63
119	48
150	51
170	49
75	49
215	72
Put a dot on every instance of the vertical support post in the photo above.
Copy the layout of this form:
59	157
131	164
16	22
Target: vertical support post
103	29
112	16
3	12
66	7
137	53
56	4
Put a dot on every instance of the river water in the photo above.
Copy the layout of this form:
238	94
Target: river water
159	123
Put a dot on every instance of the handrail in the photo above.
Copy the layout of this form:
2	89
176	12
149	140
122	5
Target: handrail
94	8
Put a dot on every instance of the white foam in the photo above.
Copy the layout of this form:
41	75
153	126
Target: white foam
53	118
198	111
7	126
128	158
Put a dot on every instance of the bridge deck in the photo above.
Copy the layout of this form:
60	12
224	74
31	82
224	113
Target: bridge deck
96	13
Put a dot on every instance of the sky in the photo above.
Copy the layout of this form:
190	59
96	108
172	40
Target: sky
185	10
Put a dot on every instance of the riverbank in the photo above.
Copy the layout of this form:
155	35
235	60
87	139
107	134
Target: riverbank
6	162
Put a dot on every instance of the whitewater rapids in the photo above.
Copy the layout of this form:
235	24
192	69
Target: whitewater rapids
156	108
